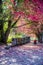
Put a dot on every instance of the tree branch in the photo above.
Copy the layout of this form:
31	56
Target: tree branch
22	25
29	22
15	22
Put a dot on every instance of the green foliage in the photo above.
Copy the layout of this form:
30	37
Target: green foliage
20	1
6	11
19	35
9	39
5	26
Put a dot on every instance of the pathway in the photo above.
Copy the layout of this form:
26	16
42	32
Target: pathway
22	55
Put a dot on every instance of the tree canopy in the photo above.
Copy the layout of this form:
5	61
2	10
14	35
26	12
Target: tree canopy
12	10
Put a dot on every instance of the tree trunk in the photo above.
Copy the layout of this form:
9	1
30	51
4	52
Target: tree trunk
6	35
7	31
39	36
1	23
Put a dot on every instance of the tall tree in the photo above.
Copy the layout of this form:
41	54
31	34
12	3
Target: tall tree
6	17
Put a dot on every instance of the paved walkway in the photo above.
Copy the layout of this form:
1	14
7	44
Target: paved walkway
22	55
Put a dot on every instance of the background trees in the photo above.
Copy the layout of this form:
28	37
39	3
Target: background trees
12	10
34	8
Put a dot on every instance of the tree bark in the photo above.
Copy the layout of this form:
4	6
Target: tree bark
1	23
7	31
39	36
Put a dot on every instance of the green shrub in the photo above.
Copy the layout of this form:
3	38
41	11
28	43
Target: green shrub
14	36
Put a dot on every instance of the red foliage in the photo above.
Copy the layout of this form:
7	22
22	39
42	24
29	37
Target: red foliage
33	17
20	13
33	5
13	1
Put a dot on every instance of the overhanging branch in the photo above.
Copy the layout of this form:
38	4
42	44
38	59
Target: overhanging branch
15	22
22	25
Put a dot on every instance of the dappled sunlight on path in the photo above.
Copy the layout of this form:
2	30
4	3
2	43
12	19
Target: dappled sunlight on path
22	55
